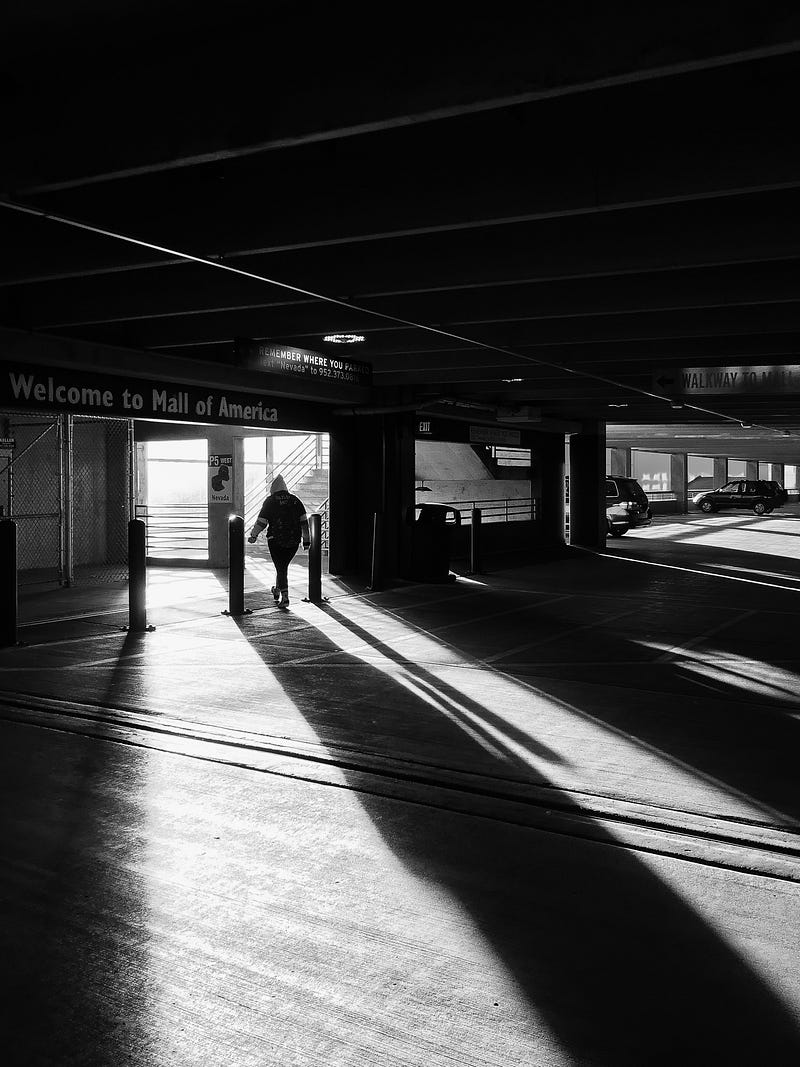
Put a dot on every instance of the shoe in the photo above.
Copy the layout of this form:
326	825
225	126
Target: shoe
284	601
276	593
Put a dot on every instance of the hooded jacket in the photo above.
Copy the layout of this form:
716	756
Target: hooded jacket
283	515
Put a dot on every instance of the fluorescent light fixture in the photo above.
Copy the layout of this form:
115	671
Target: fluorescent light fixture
617	405
746	425
676	405
343	338
511	379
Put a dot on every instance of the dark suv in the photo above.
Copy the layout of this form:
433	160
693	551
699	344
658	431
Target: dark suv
626	505
752	494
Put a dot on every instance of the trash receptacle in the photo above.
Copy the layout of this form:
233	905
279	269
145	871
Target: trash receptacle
430	547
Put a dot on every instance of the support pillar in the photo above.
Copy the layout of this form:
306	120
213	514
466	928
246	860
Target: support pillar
751	469
372	472
547	485
619	462
679	480
222	502
720	471
587	501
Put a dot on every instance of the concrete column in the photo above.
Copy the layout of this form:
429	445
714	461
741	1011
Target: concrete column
547	486
221	441
679	478
751	469
720	471
777	474
344	517
372	470
587	502
620	464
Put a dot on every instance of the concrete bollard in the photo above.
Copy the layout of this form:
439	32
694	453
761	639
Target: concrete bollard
8	583
315	560
376	578
475	542
137	578
236	567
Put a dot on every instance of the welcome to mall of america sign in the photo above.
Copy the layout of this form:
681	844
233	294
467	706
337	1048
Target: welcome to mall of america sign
65	390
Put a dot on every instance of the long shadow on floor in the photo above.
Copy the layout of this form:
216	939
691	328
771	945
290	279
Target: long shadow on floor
73	939
618	966
733	712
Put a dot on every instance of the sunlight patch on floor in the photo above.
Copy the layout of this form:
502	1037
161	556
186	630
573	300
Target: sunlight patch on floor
753	676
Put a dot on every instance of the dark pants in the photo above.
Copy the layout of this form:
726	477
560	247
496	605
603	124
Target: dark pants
282	557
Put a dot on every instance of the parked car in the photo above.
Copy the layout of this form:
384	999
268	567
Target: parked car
753	494
627	505
780	493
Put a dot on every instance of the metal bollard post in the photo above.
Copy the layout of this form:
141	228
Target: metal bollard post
8	583
236	567
137	578
315	560
376	582
475	542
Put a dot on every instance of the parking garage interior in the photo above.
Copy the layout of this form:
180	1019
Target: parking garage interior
507	790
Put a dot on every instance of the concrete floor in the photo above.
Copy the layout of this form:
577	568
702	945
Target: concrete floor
548	816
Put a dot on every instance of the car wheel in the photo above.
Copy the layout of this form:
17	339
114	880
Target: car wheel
769	510
759	508
707	507
617	531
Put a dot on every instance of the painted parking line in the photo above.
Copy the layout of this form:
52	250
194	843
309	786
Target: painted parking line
564	635
677	650
431	633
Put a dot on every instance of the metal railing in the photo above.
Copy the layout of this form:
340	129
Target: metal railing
312	453
324	514
175	531
498	509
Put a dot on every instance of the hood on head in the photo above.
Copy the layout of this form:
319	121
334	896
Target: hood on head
278	485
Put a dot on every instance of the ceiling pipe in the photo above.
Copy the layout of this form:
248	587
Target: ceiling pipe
388	409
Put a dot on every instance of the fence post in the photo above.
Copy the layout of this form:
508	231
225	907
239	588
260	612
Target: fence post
67	494
137	578
8	583
315	560
377	546
236	567
475	542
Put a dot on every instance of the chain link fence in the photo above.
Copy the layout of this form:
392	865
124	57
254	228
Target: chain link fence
66	483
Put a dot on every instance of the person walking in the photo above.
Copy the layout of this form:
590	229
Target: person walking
284	517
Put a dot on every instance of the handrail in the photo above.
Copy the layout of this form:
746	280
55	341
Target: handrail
324	513
310	454
175	529
495	509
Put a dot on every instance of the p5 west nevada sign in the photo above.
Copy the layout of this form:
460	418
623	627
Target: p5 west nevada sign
729	381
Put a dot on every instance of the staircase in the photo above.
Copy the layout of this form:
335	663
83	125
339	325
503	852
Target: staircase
306	473
313	488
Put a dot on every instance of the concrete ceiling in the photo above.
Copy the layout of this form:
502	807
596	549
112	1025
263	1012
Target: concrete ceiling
570	196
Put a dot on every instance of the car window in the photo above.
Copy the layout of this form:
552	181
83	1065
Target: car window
731	487
611	488
753	488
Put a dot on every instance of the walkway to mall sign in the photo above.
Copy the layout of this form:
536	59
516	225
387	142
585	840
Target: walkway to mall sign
728	381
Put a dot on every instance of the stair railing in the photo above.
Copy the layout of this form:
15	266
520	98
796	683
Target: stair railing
312	452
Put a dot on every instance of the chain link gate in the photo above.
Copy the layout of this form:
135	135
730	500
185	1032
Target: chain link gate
67	485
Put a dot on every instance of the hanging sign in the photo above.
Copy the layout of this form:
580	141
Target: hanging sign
303	363
220	479
729	381
494	435
76	392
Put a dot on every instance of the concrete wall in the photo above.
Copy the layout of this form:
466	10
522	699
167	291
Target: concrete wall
454	492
